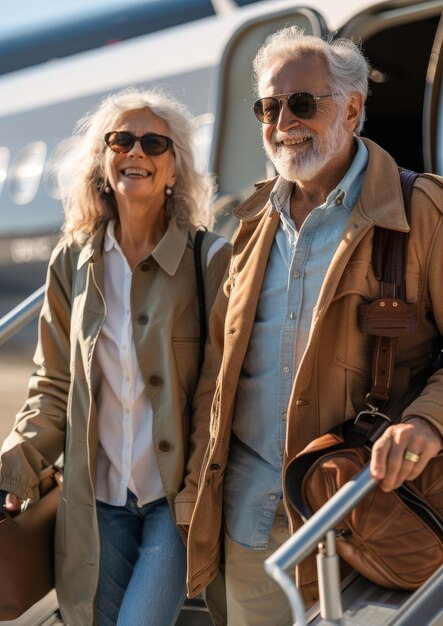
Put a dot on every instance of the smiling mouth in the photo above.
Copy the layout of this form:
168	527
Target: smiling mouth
132	171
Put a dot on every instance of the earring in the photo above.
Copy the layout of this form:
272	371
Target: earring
168	191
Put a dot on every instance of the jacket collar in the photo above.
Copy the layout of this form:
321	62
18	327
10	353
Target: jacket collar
168	253
382	204
93	246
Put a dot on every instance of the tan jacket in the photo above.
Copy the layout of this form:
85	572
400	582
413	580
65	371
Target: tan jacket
335	373
60	412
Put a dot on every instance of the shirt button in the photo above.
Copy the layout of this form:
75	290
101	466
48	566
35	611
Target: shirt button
296	274
272	496
164	446
142	319
155	381
286	369
145	266
292	315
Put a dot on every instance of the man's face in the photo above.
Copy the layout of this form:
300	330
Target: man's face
300	148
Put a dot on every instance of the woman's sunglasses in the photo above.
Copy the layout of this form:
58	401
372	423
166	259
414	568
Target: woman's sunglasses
151	143
302	105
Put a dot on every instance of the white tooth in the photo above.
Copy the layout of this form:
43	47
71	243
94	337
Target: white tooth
133	170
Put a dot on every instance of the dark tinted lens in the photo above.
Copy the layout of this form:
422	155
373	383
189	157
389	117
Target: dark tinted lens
119	142
267	110
302	105
155	144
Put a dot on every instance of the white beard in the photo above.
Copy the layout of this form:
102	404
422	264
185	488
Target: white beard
303	163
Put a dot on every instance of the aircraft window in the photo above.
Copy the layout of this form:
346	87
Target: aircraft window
4	162
26	172
51	182
203	141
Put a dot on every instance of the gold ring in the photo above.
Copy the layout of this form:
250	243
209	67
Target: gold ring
411	456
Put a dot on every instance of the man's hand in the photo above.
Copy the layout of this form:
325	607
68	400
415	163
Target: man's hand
417	439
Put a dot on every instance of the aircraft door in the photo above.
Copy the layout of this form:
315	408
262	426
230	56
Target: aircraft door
433	108
237	156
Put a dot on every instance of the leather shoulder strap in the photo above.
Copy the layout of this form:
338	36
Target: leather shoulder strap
389	257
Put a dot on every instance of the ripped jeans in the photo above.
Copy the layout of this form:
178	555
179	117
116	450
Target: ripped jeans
142	579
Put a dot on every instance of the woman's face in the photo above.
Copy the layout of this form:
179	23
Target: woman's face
135	176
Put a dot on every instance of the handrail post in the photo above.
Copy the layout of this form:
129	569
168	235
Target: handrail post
304	541
328	570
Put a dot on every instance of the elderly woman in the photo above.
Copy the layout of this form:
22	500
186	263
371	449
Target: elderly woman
117	361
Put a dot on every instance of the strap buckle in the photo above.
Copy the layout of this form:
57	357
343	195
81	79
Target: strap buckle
369	422
372	411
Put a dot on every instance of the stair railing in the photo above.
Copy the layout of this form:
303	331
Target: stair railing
21	315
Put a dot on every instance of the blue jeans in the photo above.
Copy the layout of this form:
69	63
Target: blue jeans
142	579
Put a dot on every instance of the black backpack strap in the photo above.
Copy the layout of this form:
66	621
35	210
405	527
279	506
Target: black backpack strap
200	293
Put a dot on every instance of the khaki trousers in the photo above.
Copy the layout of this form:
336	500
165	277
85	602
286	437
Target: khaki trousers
253	598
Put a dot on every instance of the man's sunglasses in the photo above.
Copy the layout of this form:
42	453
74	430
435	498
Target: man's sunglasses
302	105
151	143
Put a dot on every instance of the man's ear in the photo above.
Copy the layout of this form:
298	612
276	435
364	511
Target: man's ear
354	108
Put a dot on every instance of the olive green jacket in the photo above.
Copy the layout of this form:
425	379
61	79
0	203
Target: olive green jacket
60	413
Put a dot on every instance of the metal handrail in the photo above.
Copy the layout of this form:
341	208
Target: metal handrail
305	540
21	315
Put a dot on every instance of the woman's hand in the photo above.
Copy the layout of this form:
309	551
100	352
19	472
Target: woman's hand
12	502
403	451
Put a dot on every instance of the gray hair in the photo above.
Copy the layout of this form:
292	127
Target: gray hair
81	170
348	68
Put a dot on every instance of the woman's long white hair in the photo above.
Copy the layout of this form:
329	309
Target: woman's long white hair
81	174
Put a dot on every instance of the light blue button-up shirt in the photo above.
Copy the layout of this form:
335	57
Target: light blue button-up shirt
294	275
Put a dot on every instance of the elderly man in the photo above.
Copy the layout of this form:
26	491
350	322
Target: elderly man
294	362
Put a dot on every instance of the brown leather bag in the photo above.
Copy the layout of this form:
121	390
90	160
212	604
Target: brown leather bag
27	549
394	539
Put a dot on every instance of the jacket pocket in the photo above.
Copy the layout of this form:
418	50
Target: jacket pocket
358	279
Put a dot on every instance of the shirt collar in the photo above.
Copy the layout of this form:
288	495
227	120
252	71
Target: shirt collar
169	250
348	189
346	193
110	241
